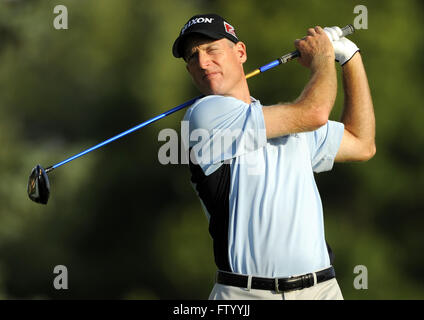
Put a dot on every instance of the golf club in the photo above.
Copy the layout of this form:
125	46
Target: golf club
38	184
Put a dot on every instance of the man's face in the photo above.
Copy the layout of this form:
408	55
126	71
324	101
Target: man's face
216	66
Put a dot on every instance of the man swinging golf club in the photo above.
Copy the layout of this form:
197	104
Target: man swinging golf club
267	224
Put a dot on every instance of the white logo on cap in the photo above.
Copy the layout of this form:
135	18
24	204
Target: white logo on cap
229	29
195	21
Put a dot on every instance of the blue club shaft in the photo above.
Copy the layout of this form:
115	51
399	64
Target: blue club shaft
118	136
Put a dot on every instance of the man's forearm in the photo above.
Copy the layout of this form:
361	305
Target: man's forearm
310	111
358	112
321	90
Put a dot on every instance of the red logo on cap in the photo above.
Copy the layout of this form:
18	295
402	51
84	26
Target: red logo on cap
229	29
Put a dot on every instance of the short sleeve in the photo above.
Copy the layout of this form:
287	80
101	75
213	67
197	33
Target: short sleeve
221	128
323	145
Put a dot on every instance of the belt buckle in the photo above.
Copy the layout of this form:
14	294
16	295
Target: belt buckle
277	289
307	280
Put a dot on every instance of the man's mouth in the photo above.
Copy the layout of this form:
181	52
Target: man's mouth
210	75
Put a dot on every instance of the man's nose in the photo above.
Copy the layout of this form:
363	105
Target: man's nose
204	60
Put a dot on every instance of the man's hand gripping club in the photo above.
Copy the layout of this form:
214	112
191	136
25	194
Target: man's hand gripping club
344	49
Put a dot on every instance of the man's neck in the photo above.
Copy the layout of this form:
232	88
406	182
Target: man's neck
241	92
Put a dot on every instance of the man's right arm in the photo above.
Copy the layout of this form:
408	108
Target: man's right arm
312	109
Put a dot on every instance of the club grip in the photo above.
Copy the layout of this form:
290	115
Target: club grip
349	29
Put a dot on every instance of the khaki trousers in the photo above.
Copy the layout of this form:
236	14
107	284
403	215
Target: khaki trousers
327	290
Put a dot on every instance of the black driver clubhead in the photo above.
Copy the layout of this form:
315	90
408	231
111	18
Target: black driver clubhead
38	185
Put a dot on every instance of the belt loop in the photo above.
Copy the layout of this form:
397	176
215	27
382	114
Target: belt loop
277	288
315	277
249	283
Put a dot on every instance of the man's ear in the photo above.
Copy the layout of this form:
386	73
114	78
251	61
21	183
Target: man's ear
240	47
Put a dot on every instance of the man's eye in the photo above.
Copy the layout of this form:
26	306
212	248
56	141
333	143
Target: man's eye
190	56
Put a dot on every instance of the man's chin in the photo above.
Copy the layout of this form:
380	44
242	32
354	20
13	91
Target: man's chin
210	88
211	91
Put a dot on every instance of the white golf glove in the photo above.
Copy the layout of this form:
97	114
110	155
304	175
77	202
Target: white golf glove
344	49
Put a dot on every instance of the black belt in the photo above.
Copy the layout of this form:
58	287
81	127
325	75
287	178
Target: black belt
276	284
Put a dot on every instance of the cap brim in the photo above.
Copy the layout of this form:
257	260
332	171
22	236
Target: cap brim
176	48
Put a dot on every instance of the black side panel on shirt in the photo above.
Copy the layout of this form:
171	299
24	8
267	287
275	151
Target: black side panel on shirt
214	191
330	253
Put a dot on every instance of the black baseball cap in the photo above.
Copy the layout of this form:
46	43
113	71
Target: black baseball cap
211	25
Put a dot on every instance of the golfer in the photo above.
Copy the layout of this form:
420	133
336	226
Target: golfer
258	191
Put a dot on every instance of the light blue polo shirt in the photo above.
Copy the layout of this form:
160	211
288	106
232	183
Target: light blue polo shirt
275	218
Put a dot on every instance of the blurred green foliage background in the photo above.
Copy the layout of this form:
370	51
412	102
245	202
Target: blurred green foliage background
128	227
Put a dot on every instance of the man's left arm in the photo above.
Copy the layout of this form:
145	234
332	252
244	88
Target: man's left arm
358	142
